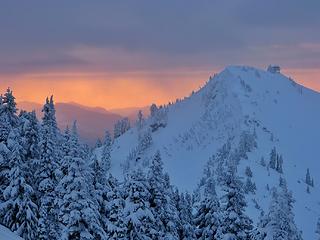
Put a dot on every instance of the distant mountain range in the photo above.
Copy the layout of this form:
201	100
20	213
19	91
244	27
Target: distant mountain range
92	121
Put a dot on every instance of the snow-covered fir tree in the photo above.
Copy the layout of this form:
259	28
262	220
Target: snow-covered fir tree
235	224
186	229
279	164
161	200
78	209
106	157
248	172
273	158
279	222
140	222
308	178
46	172
207	217
250	186
121	127
107	138
8	110
19	212
115	225
140	120
145	140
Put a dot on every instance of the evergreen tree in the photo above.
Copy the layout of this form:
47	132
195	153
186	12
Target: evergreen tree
308	178
235	223
145	140
9	119
19	211
78	209
207	218
161	200
107	138
115	225
98	143
273	158
30	138
106	157
46	173
140	120
248	172
139	219
279	164
279	222
121	127
250	187
186	228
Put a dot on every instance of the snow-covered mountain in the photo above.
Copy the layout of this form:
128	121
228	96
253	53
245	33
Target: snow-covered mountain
240	102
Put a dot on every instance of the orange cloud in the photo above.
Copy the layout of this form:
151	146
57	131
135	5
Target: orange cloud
121	90
116	90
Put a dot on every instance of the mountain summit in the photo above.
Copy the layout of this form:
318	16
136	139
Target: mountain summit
269	120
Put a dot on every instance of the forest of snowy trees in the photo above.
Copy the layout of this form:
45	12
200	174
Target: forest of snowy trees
54	187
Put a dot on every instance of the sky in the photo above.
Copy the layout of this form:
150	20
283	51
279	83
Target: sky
117	54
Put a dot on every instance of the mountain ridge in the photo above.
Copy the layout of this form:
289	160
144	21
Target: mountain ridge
238	101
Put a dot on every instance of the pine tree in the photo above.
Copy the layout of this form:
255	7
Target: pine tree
98	143
186	229
235	223
144	141
9	119
279	164
115	226
161	200
279	221
19	211
46	173
78	209
248	172
121	127
140	120
139	219
107	138
250	187
30	137
308	177
106	157
207	218
273	158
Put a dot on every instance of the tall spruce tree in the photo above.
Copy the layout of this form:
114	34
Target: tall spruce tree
186	229
161	200
278	223
19	211
207	217
46	172
235	224
115	225
140	223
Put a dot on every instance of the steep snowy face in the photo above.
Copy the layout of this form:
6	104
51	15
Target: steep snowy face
6	234
239	101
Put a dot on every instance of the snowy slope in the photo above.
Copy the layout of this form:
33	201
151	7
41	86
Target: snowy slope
281	113
6	234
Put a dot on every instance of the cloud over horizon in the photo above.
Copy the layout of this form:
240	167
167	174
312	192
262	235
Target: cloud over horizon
149	38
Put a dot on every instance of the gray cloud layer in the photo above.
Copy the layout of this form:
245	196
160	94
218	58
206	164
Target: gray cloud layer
135	35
